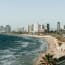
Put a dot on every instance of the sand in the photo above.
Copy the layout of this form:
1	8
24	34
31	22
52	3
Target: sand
53	48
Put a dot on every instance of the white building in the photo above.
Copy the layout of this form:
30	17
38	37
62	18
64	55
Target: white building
7	28
35	28
29	28
20	29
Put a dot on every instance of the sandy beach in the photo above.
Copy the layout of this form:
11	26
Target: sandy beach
53	48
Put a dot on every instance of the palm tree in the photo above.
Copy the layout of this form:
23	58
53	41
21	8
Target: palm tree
48	60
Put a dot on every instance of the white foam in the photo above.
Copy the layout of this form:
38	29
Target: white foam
25	44
7	58
6	62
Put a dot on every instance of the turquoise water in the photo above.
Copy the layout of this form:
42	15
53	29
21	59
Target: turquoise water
20	50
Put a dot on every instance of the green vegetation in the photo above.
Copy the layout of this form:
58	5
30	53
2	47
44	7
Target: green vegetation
61	38
48	60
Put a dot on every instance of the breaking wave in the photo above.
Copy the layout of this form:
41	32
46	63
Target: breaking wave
20	50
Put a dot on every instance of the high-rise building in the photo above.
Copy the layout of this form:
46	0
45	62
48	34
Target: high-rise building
64	27
2	29
32	27
39	28
29	28
35	28
7	28
58	26
43	28
48	27
23	29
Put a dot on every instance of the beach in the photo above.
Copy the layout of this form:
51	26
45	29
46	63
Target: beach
53	47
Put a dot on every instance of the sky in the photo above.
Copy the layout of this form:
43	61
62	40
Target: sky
19	13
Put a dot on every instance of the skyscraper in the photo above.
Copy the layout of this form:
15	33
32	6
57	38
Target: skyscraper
58	27
48	27
39	28
32	27
2	29
64	27
7	28
29	28
43	28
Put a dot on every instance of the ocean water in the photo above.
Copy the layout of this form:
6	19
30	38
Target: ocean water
20	50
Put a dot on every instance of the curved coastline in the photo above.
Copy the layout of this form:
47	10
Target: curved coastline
53	47
34	36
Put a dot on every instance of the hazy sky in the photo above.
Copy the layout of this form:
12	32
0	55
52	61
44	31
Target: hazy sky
19	13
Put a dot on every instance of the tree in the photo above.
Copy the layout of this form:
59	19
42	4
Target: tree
48	60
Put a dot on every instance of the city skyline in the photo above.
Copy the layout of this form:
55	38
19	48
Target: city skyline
36	27
21	13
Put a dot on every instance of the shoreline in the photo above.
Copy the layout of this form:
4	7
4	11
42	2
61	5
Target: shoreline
52	43
53	47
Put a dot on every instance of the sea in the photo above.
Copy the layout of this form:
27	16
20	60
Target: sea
20	50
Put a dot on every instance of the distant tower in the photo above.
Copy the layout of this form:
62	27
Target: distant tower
32	27
39	28
48	27
7	28
58	27
2	29
28	28
43	28
64	27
